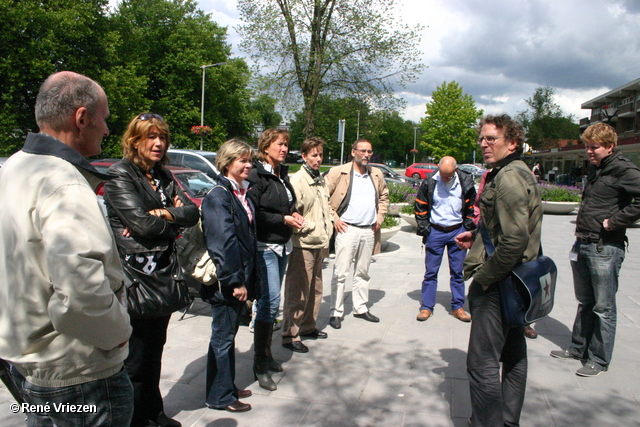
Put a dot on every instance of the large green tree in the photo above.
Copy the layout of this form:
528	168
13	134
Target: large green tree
39	38
544	122
391	136
329	110
147	56
264	110
159	47
343	48
448	128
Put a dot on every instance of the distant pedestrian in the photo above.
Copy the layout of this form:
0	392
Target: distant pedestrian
537	171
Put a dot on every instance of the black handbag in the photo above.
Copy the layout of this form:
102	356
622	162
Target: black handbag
157	294
527	293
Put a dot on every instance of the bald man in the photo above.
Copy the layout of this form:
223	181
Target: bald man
444	209
63	327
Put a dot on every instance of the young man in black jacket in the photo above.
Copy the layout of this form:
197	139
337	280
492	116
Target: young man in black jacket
610	203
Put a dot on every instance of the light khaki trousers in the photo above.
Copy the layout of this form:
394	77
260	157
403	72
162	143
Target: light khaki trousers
353	247
302	293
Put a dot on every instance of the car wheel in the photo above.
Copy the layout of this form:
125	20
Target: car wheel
416	175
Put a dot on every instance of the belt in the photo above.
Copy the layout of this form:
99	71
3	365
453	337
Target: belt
359	226
446	229
586	240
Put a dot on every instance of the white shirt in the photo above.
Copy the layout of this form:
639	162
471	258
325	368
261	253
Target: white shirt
362	205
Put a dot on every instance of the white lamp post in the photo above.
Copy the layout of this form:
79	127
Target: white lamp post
415	131
204	68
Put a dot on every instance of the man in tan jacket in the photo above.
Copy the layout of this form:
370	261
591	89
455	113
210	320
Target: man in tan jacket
359	199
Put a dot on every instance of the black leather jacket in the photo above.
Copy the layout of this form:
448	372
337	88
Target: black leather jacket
271	202
130	197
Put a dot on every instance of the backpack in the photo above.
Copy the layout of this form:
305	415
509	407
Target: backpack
191	248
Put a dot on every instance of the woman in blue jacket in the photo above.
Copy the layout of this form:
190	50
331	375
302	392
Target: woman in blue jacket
228	223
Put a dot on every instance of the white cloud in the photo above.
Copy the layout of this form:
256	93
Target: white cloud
500	51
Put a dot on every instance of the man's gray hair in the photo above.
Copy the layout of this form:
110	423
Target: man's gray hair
61	95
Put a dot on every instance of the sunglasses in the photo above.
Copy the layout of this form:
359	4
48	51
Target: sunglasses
148	116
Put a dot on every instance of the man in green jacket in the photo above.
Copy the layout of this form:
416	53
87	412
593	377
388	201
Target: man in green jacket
511	211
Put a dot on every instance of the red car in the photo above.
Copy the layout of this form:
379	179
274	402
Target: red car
196	184
420	170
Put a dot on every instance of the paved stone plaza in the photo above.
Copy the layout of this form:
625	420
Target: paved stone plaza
401	372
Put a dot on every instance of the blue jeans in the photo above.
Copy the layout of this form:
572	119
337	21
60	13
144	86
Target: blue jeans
497	395
271	268
436	242
110	400
221	362
595	281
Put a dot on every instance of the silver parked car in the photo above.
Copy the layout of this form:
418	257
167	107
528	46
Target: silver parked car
204	161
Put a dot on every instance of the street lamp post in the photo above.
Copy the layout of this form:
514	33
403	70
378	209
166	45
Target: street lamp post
204	68
415	131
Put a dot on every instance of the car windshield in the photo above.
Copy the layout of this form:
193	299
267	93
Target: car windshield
211	158
196	184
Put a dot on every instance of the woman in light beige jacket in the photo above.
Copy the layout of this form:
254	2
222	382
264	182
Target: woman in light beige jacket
303	286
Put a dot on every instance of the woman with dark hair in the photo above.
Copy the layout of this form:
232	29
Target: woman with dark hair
303	287
230	235
146	210
276	216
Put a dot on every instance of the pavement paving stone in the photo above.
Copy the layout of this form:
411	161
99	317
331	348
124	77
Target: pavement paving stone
357	375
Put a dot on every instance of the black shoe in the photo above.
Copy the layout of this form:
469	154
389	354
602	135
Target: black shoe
164	421
367	316
335	322
273	365
315	334
296	346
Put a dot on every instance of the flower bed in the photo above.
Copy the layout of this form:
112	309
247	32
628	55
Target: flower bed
559	199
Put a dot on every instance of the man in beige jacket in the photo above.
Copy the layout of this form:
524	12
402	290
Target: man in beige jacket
359	199
303	287
62	325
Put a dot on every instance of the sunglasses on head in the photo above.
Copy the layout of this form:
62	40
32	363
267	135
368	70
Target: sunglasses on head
148	116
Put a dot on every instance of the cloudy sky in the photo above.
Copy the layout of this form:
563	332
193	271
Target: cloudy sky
499	51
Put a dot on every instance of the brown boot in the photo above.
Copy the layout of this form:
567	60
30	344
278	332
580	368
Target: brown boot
461	315
423	315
